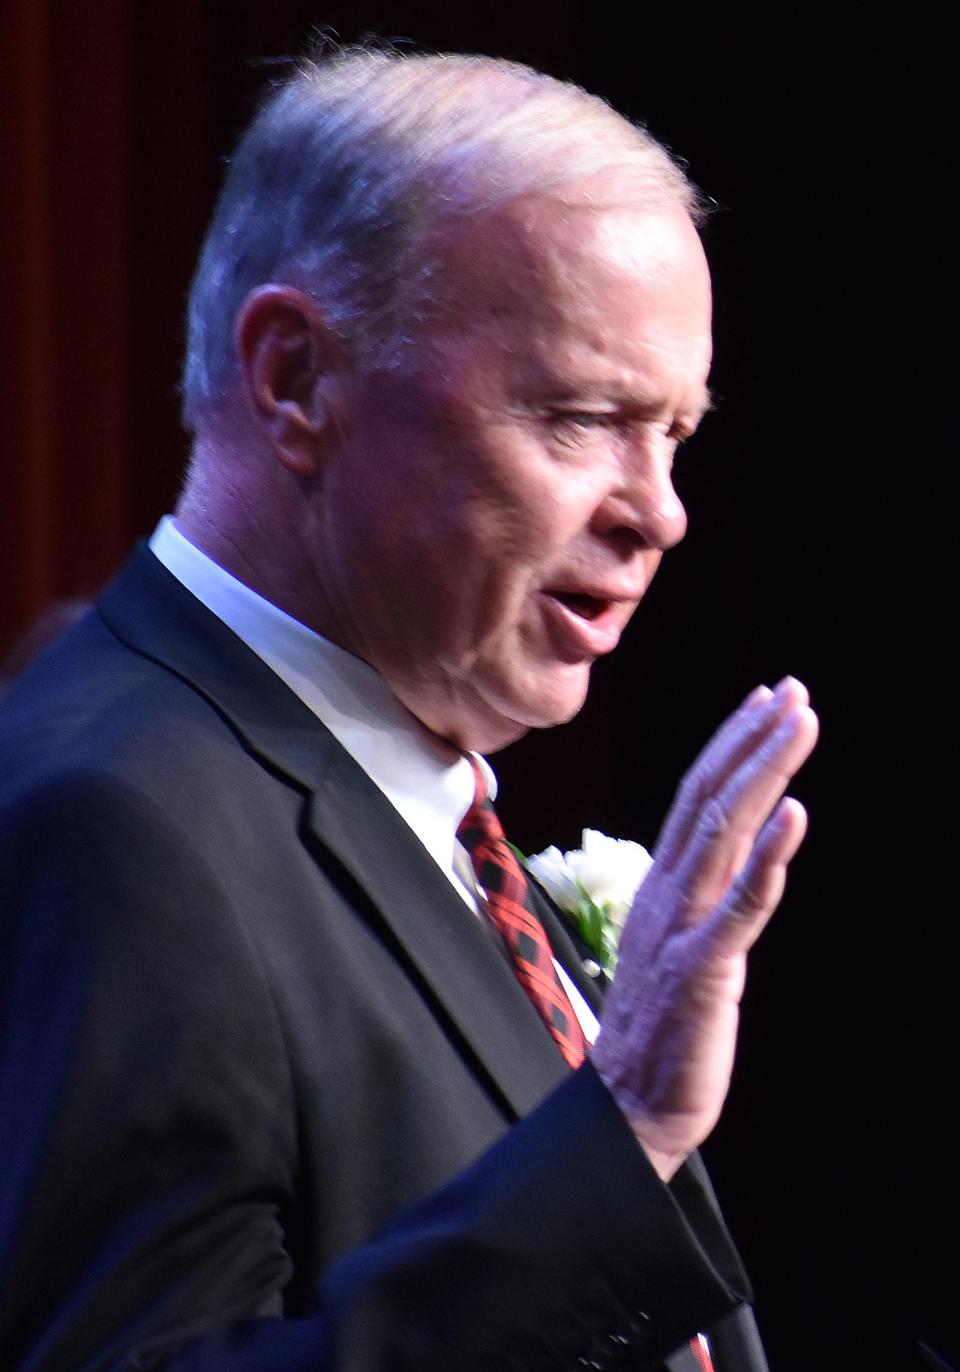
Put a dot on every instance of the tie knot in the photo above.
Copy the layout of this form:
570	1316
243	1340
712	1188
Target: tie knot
480	788
480	823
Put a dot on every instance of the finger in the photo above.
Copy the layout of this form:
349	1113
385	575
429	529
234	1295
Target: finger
742	733
723	749
728	823
737	922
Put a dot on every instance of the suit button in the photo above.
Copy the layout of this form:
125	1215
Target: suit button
592	969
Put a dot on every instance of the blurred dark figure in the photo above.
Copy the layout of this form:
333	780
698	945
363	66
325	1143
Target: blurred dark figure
55	620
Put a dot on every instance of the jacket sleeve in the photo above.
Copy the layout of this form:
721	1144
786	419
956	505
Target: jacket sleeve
149	1145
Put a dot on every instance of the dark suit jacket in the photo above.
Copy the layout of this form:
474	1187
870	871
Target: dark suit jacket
270	1097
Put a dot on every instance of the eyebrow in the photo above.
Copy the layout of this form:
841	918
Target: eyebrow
564	390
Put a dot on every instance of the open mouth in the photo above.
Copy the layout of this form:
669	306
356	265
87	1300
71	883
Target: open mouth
583	626
586	606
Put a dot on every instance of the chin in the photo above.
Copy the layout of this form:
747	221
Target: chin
556	701
484	717
505	720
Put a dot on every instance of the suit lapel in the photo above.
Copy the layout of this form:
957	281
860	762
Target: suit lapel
447	948
446	943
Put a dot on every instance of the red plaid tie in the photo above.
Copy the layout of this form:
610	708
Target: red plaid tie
512	914
701	1351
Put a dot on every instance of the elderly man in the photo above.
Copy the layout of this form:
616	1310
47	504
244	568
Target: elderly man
297	1068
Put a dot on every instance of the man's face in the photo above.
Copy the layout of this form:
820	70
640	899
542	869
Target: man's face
498	508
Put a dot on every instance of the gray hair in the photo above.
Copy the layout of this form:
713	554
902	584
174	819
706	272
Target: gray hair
352	165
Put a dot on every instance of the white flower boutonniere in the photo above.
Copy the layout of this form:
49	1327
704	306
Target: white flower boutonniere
595	884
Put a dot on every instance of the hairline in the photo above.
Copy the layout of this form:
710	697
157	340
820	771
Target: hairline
447	195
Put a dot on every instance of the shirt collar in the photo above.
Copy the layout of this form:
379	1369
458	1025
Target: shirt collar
352	699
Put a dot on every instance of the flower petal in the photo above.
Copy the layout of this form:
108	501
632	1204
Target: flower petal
552	871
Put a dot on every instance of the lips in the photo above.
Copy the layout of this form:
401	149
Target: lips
582	624
586	606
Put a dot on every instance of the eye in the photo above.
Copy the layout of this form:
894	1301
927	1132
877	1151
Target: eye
571	425
585	419
575	428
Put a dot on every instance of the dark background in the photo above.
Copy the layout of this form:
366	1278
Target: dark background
819	534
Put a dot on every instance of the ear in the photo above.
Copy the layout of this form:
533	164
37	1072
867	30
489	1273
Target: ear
291	364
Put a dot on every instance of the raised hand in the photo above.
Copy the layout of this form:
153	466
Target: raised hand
666	1044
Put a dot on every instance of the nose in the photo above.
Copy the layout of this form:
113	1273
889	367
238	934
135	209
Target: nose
642	508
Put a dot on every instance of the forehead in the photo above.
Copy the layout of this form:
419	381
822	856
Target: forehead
611	293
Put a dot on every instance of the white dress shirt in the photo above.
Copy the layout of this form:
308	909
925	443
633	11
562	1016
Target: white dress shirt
428	790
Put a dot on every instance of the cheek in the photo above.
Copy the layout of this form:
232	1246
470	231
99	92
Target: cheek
518	543
536	509
474	597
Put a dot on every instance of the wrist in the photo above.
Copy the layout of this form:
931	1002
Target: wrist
665	1153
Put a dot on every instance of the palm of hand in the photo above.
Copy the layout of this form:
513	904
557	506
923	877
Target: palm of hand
667	1042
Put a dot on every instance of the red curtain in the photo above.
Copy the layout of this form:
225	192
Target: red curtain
101	198
116	117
